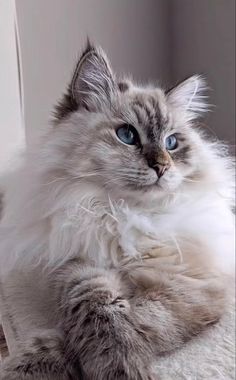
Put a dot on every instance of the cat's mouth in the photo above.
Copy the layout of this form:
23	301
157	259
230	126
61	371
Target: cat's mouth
160	185
153	183
145	187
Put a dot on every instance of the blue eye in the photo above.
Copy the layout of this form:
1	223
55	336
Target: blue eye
171	142
128	134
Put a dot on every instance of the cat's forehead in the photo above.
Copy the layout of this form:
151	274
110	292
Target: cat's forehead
148	107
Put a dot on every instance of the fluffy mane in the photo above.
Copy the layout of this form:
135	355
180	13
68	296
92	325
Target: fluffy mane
54	210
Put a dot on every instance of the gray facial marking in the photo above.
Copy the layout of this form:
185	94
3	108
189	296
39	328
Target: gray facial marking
150	110
180	137
182	154
138	114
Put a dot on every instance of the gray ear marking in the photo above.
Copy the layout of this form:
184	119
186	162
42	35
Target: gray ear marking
74	79
88	50
93	83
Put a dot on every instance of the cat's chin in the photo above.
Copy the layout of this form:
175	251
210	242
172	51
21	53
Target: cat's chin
162	186
145	194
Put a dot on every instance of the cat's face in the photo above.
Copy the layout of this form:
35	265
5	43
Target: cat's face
128	138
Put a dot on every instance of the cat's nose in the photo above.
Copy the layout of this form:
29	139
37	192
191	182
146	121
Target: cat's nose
159	161
161	168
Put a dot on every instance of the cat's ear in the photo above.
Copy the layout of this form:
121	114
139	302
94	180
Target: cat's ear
189	96
93	84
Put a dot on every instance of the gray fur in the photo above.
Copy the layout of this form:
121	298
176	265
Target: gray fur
112	103
112	325
113	322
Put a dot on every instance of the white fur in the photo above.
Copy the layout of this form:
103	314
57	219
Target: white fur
54	212
189	96
58	220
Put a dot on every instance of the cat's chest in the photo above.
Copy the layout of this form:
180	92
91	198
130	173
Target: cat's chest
139	232
130	232
204	227
134	231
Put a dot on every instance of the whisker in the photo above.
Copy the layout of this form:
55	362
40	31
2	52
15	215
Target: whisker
85	175
132	170
114	180
54	181
190	180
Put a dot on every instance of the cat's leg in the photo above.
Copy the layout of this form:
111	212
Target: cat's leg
173	303
100	327
42	358
115	327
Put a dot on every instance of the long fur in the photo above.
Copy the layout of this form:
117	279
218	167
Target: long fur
56	218
82	194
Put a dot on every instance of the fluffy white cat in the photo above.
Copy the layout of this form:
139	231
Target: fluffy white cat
123	174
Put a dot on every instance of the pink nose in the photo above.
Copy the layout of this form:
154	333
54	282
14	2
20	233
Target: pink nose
161	168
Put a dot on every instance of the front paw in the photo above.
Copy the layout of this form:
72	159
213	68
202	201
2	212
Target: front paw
199	294
210	297
198	302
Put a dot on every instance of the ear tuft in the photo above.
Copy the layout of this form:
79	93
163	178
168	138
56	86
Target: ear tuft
89	49
93	84
189	96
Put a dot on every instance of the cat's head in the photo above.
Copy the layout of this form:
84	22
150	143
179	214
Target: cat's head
128	138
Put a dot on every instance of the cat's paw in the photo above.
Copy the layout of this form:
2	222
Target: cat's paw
148	273
106	298
200	302
211	297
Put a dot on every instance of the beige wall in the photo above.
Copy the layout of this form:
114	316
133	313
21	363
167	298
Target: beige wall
203	40
164	40
133	32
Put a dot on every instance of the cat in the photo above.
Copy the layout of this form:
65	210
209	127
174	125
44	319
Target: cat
130	206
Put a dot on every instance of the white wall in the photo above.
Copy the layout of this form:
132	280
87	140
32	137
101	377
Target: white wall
11	126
